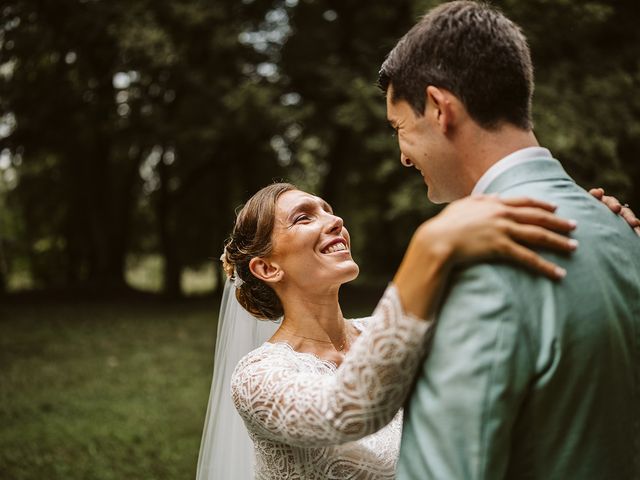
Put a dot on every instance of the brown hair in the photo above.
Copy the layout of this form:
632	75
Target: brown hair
472	50
251	237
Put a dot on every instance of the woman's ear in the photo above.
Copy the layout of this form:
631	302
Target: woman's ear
265	270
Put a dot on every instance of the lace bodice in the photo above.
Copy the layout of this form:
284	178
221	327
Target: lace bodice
311	420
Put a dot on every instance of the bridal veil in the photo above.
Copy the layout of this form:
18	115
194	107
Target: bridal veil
226	451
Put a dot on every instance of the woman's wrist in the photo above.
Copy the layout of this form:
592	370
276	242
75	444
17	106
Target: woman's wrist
435	242
422	271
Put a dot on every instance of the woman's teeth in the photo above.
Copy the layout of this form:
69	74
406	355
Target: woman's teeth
336	247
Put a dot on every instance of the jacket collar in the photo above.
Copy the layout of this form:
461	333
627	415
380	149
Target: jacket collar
533	171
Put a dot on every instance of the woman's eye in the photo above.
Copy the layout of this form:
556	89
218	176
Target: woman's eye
301	218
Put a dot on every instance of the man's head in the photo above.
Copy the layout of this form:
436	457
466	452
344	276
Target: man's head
472	62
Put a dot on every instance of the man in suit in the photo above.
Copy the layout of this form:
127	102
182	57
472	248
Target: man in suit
526	378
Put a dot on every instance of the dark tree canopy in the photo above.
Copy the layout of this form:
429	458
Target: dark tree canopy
136	128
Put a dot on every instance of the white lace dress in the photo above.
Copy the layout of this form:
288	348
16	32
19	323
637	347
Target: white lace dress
311	420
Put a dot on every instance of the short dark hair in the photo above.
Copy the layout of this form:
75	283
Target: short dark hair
472	50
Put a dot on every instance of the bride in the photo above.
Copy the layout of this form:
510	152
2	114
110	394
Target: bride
321	398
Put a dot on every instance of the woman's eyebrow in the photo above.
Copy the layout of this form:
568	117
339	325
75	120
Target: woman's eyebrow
304	205
309	204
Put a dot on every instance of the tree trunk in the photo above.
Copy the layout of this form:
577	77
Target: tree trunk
4	271
172	268
107	214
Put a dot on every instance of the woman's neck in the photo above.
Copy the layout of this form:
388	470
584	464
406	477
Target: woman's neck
313	316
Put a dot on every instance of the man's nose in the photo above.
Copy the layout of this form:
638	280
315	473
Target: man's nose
405	161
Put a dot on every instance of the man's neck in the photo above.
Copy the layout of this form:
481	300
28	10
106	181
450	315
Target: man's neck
484	148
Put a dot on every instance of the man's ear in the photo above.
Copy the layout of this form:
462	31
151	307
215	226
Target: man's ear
439	107
265	270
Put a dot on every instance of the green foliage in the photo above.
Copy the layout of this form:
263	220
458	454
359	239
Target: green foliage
128	119
136	129
586	107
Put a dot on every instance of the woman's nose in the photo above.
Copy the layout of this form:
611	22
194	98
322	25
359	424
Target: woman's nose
335	224
404	160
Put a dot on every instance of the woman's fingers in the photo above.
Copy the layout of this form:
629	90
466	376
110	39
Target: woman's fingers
478	228
537	212
542	238
541	218
534	261
630	217
616	207
612	202
597	193
528	202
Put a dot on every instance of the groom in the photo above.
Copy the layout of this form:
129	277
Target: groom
527	378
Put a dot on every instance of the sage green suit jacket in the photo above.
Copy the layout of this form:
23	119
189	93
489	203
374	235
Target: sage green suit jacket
528	378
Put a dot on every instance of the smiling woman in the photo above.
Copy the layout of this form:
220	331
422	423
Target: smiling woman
251	238
321	398
286	241
310	251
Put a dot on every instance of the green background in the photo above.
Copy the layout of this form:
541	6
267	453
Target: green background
131	131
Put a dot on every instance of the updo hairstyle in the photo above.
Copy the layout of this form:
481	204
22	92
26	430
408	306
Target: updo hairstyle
251	238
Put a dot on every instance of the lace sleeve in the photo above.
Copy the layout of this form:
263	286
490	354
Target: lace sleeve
367	390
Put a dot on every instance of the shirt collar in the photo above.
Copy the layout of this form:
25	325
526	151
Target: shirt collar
518	157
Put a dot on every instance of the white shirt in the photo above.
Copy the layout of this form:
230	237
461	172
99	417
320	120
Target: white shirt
518	157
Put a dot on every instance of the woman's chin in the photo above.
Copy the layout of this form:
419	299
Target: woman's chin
329	278
351	273
345	274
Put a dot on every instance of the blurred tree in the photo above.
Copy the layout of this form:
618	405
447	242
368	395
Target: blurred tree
3	268
587	106
137	128
209	117
343	148
110	104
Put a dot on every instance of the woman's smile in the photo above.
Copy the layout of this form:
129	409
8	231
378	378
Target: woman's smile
338	245
311	244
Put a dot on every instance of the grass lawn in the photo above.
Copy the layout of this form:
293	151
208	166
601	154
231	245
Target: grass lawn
107	391
104	391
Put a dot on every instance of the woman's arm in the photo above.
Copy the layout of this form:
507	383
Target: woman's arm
477	228
278	402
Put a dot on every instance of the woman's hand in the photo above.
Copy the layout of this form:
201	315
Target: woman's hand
480	228
616	207
485	227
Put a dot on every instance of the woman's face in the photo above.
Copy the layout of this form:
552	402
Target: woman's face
310	244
